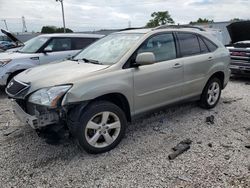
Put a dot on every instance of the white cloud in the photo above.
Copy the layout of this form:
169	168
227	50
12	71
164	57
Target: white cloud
96	14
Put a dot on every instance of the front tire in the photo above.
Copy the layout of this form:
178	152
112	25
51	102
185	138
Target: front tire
101	127
211	93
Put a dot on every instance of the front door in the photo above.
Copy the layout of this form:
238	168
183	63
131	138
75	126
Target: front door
160	83
57	49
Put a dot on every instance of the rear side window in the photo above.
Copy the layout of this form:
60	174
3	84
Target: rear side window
80	43
162	45
189	44
203	46
211	46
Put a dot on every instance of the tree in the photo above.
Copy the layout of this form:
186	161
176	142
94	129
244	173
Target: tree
48	29
53	29
235	20
60	30
160	18
202	21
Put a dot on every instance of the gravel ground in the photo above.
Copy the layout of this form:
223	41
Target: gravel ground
217	158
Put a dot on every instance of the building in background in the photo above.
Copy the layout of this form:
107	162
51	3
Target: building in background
219	29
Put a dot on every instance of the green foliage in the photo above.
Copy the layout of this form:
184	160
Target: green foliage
160	18
202	21
53	29
236	20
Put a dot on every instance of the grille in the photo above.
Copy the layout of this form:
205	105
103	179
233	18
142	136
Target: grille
16	87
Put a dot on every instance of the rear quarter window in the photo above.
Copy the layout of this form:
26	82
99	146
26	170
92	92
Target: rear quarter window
203	46
211	46
80	43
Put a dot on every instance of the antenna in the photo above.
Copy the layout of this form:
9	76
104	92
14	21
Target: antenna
24	25
129	24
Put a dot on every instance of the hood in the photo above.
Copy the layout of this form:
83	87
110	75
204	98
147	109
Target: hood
12	38
16	55
239	31
52	74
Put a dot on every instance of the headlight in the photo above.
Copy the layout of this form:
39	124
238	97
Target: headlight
49	96
3	62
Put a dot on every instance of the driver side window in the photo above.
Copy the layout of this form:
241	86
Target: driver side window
59	44
163	47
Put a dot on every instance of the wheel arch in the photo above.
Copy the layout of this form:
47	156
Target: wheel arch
116	98
14	73
220	75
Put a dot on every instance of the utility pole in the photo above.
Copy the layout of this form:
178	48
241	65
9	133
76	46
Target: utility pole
129	24
24	24
5	24
64	28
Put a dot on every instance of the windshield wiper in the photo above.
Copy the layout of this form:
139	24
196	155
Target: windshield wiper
87	61
90	61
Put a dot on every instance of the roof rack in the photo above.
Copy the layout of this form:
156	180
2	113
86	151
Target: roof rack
131	28
179	27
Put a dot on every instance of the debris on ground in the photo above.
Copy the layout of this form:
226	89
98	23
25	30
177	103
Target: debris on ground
180	148
229	101
226	146
210	119
227	157
184	178
210	145
247	146
7	133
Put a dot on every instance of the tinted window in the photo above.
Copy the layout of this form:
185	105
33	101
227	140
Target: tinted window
211	46
189	44
80	43
59	44
203	46
163	47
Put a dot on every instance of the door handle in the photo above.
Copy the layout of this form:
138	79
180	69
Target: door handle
210	58
177	65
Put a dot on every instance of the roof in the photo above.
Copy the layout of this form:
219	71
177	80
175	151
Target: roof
72	35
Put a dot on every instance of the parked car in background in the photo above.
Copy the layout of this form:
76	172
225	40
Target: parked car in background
14	42
240	47
41	50
119	77
5	45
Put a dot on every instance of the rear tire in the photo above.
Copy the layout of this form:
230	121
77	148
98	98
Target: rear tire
211	93
101	127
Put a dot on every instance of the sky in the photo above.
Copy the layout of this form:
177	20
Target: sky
89	15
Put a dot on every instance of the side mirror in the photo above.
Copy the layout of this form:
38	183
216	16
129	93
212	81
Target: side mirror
145	58
47	49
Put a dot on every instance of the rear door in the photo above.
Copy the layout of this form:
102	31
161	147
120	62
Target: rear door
160	83
81	43
197	60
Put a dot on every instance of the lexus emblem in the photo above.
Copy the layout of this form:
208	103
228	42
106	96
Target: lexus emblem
10	84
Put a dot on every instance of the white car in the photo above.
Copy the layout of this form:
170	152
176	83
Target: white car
41	50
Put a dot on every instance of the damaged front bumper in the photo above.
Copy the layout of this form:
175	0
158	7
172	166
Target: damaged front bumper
34	117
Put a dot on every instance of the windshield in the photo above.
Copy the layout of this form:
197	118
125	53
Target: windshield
110	49
32	45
